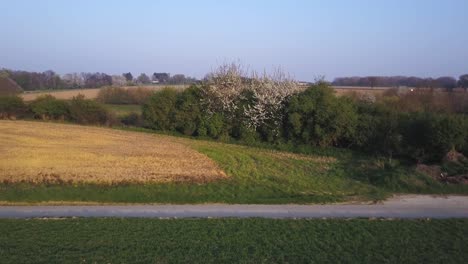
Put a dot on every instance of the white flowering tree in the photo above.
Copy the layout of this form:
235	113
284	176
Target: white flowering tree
118	80
270	93
225	87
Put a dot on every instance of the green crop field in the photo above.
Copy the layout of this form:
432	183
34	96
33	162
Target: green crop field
233	241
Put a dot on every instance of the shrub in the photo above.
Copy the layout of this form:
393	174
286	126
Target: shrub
378	130
139	95
247	135
113	95
86	111
160	110
317	117
188	111
48	107
11	107
428	137
119	95
214	126
132	119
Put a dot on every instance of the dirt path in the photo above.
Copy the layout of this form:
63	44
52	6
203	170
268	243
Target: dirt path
407	206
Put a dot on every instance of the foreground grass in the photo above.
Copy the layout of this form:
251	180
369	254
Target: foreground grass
233	241
255	175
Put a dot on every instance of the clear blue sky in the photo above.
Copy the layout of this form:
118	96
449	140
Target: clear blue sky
307	38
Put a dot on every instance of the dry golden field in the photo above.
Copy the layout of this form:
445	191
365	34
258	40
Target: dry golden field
35	152
88	93
359	90
65	95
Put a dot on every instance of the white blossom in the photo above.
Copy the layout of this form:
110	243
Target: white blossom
270	93
224	87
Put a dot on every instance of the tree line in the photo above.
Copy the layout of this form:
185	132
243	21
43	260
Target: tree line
232	104
50	80
445	82
275	110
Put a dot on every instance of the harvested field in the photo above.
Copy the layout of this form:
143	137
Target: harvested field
88	93
340	91
64	95
379	91
34	152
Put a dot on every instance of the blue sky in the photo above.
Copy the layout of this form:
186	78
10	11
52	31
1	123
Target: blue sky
306	38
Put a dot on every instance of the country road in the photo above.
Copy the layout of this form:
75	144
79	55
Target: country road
407	206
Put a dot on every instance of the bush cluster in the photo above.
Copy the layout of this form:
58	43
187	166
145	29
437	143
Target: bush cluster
78	110
315	117
11	107
119	95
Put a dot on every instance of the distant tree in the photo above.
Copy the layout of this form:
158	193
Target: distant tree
161	77
118	80
396	81
73	80
429	83
414	82
143	78
448	83
463	82
96	80
128	76
37	80
177	79
373	81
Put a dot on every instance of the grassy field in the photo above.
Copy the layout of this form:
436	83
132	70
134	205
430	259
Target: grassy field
88	93
233	241
253	175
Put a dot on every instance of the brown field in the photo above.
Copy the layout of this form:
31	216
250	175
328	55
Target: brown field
92	93
360	90
378	91
88	93
37	152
